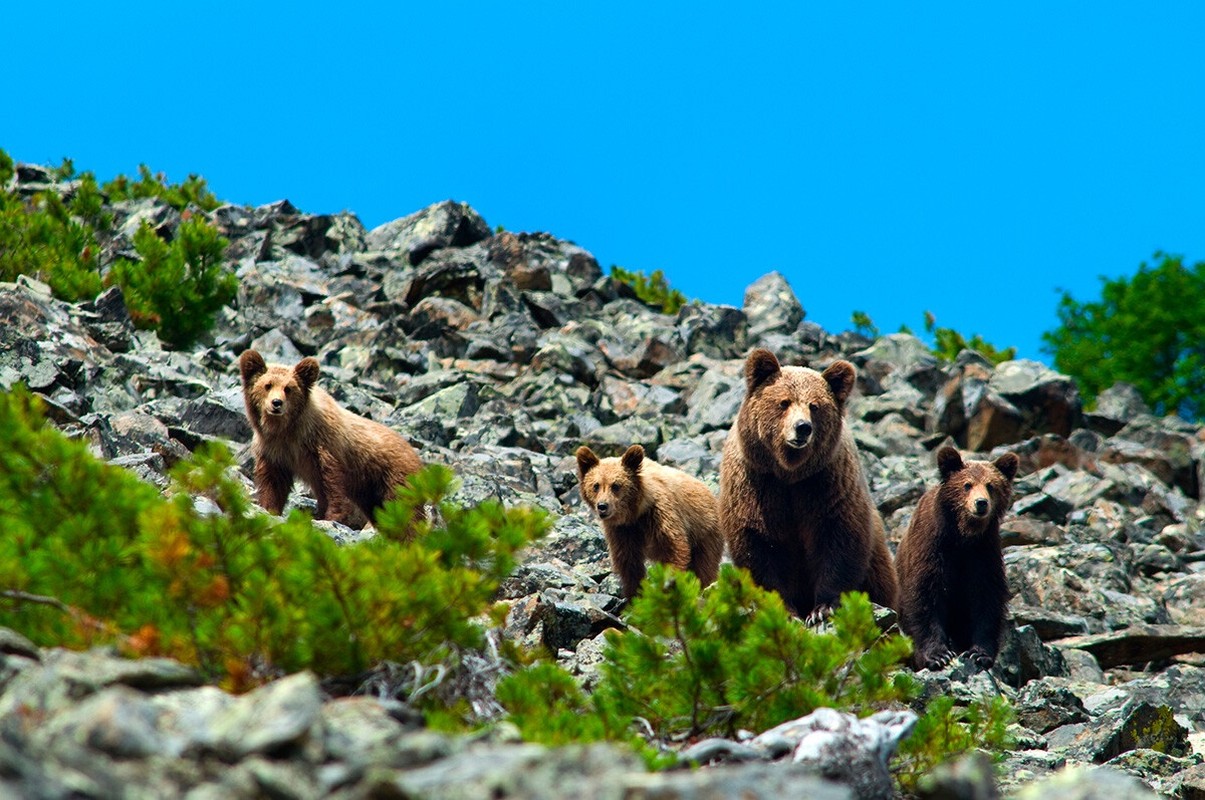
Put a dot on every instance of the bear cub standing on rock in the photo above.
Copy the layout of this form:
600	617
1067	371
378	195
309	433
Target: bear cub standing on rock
352	464
794	504
651	511
953	590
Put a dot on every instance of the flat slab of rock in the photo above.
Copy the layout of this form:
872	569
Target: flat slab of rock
1139	644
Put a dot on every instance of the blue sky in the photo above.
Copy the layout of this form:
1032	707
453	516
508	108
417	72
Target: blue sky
886	157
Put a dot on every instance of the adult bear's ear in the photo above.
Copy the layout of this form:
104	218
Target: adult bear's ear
949	461
633	457
1007	464
761	366
251	365
586	461
840	377
306	372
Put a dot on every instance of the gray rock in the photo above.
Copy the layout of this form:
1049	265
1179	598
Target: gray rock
846	749
277	715
1084	783
771	306
445	224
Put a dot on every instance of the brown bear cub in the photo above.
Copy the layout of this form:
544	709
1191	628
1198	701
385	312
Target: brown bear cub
651	511
352	464
953	591
794	504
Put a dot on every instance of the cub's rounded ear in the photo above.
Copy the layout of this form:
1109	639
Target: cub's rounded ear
1008	464
586	461
251	365
948	461
633	457
761	366
307	371
840	377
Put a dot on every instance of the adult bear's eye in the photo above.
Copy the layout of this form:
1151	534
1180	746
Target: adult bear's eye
967	486
784	405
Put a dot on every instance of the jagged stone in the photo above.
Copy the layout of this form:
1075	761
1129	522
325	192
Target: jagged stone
771	306
1137	725
1139	644
446	224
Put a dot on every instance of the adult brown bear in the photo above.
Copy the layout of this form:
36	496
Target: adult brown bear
794	505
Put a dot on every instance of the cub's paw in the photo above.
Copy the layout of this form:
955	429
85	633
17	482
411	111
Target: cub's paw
981	658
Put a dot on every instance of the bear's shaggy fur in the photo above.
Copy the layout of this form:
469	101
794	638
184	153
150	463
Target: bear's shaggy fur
351	464
651	511
953	591
794	505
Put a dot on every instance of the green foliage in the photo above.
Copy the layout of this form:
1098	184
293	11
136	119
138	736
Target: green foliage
653	290
92	555
176	288
7	168
946	730
736	658
179	286
864	325
546	704
42	237
948	343
193	191
1147	330
709	663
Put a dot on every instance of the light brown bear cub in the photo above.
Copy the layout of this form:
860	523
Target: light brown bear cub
953	590
794	504
352	464
651	511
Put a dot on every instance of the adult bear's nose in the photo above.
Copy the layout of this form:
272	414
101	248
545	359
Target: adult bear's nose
803	429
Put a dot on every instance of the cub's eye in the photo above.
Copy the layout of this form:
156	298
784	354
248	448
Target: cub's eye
814	407
784	404
615	487
966	486
597	486
290	389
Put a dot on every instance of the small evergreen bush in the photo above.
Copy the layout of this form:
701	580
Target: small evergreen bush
41	237
177	287
92	555
193	191
696	664
653	290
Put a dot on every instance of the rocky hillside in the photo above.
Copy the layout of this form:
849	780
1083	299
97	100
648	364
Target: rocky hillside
498	354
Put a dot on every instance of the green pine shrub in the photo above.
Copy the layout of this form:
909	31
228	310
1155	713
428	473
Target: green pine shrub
696	664
178	287
42	237
948	343
193	191
175	288
92	555
653	290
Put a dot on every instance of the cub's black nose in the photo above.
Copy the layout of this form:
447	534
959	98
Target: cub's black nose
603	507
981	506
277	402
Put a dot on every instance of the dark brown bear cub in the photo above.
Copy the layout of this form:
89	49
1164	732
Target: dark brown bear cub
794	504
351	464
953	591
651	511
